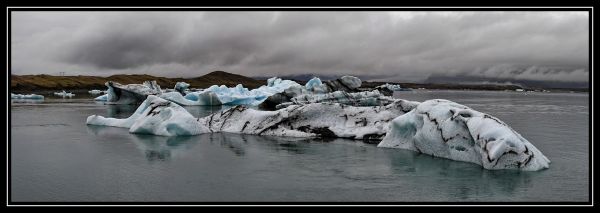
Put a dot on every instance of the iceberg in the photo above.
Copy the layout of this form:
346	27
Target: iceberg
102	98
345	83
30	96
204	98
181	87
392	87
161	117
131	93
437	127
388	89
366	98
314	86
446	129
64	94
155	116
223	95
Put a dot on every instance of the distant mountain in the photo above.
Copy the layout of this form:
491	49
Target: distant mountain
20	83
528	84
302	77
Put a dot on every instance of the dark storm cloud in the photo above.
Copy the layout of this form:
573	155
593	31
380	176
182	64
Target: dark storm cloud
403	46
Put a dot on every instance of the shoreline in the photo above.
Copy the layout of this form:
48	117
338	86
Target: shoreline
47	84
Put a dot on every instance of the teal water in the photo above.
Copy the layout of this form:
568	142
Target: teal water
56	157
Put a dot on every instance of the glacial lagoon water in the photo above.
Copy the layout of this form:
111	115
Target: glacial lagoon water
56	157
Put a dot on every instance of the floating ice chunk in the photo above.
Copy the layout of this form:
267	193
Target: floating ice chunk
446	129
204	98
313	86
30	96
350	82
155	116
64	94
96	92
131	93
392	87
181	87
101	98
388	89
316	86
345	83
366	98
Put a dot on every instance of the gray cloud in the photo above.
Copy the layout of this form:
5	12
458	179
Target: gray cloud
405	46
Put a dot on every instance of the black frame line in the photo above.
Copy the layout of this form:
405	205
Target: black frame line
527	8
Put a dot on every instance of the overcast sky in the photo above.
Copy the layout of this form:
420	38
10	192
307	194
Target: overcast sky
394	46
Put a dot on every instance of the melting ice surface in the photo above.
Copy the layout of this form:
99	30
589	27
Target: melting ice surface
446	129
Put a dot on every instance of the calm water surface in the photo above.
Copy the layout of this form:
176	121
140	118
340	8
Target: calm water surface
56	157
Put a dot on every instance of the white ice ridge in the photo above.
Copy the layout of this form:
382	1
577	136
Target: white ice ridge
223	95
64	94
161	117
446	129
30	96
366	98
130	93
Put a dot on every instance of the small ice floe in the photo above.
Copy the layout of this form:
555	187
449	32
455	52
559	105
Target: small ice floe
30	96
64	94
96	92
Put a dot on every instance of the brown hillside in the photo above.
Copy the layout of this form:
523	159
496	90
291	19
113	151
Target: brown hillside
21	83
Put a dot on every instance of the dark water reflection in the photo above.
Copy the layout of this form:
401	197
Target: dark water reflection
55	157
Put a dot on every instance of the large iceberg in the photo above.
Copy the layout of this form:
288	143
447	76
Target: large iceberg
30	96
131	93
449	130
162	117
